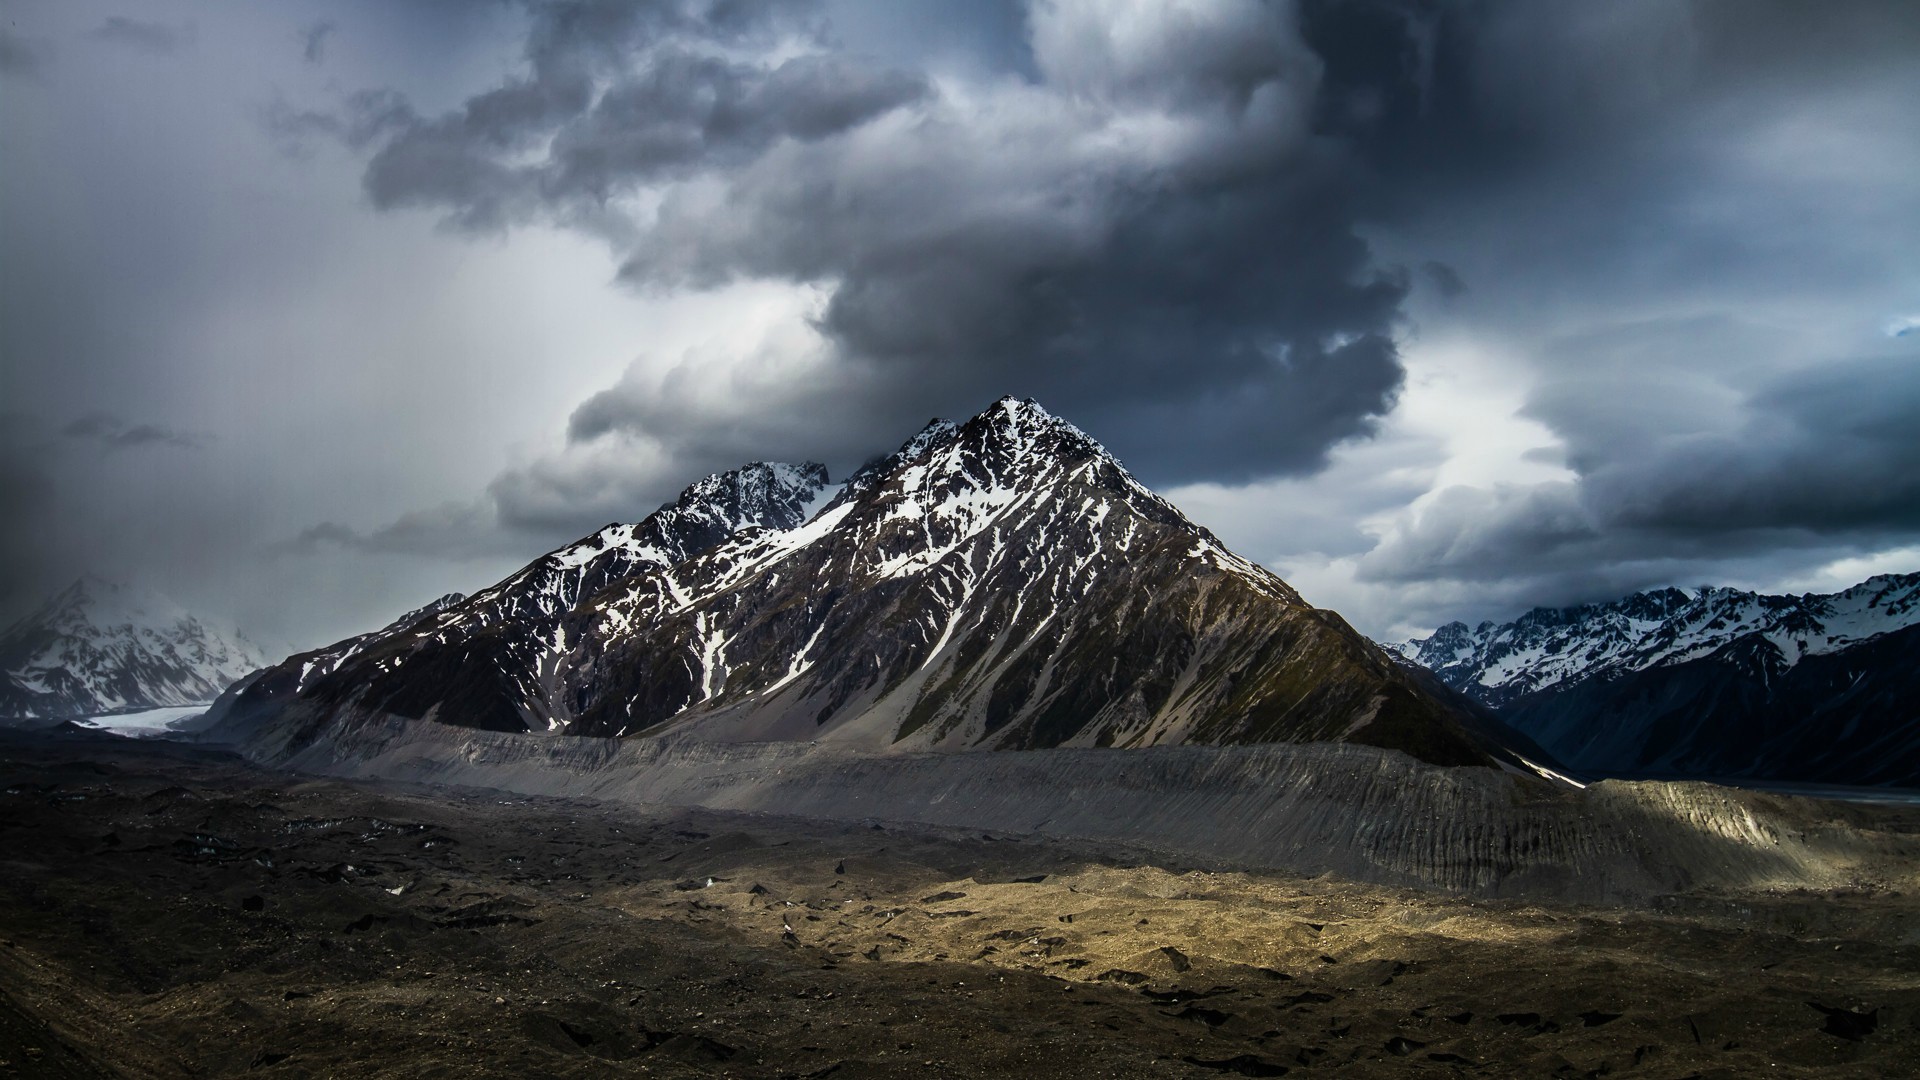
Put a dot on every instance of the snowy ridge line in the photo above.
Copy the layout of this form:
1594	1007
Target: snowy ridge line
954	501
530	603
1550	647
1002	583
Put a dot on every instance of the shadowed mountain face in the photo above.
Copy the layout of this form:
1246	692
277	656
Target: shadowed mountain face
1847	717
1708	682
998	584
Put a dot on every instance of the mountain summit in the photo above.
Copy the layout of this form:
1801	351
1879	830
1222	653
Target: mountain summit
1002	583
101	646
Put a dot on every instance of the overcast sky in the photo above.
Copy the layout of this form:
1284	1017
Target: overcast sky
310	312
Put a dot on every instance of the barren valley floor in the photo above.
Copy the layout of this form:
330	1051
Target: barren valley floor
167	912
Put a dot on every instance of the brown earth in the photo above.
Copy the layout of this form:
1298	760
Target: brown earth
172	912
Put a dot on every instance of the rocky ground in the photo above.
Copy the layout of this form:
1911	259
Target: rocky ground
172	912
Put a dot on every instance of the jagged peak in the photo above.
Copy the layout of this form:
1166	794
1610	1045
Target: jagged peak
1011	428
1021	426
938	431
1549	646
92	588
770	494
431	607
756	480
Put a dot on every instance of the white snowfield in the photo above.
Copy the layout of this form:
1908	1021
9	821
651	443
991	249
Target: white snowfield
146	724
1547	647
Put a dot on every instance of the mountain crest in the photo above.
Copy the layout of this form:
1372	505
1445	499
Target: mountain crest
1000	583
1551	647
768	494
503	644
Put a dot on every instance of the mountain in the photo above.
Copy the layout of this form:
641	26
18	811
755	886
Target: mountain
1708	682
102	647
998	584
491	660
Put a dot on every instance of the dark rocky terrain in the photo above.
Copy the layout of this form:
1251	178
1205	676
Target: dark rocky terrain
168	912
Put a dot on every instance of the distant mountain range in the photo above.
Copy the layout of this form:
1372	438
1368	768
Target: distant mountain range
1707	682
1002	583
101	647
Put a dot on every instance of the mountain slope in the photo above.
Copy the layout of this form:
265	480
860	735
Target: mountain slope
1851	716
1708	682
100	647
1002	583
490	660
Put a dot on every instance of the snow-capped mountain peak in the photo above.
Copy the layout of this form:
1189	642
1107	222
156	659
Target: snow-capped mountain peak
520	617
99	646
1549	647
997	583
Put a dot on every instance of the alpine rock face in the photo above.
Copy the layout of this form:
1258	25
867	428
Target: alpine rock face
1707	682
101	647
492	660
998	584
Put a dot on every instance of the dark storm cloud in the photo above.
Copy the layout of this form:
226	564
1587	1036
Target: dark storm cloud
1828	451
28	498
1676	213
684	112
314	41
1820	459
161	39
20	55
1146	233
1444	278
1178	224
118	433
449	531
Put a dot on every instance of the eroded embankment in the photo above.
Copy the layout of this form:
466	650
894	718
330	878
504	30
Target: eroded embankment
1357	812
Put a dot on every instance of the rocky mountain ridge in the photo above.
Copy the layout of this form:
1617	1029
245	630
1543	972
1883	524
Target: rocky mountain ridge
1496	663
494	654
1002	583
1708	682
